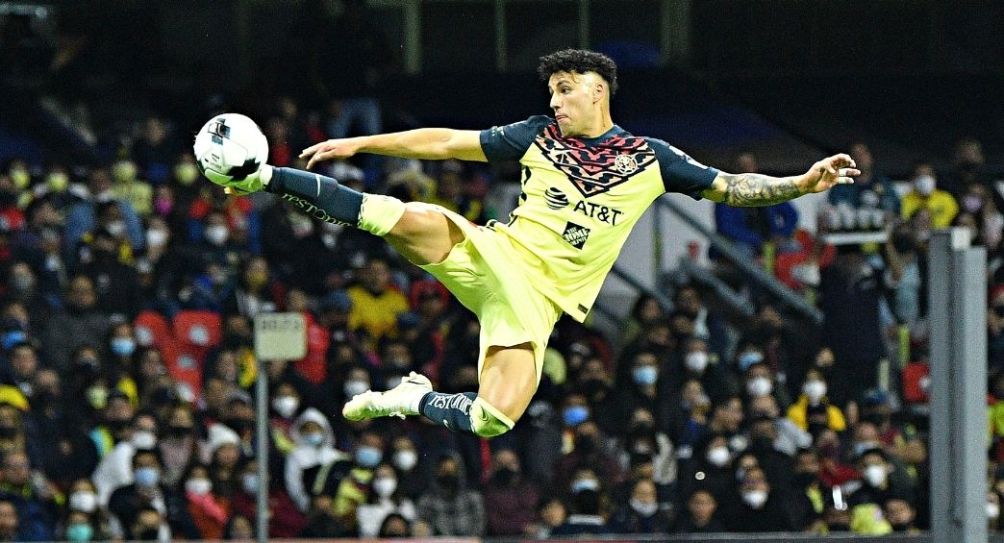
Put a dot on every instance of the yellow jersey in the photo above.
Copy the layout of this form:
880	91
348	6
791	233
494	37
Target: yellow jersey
580	199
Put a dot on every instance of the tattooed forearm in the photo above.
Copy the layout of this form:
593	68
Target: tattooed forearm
753	190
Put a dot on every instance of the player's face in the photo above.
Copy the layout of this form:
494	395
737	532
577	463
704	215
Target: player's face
575	100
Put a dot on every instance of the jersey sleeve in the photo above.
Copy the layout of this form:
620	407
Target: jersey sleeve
680	173
511	141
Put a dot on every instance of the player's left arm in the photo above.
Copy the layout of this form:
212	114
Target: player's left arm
755	190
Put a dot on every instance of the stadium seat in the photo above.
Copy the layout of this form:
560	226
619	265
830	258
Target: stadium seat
152	329
198	328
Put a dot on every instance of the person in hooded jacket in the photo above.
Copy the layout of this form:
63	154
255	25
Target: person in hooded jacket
314	447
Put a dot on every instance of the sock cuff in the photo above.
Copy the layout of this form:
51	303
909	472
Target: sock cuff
378	213
493	411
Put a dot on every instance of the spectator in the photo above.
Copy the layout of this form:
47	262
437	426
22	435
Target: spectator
314	446
376	304
357	486
968	167
383	502
102	209
877	485
925	195
449	506
813	411
701	515
10	524
510	499
871	189
140	509
178	443
130	188
74	326
209	511
646	310
901	515
32	495
701	364
256	291
587	501
751	227
285	520
643	390
115	469
642	515
762	509
116	284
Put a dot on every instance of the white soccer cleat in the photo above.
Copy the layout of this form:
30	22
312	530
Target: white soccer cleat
399	401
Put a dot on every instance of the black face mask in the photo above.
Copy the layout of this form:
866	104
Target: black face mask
840	527
593	387
803	480
901	526
999	310
179	431
449	481
586	445
878	419
8	432
148	534
902	243
505	476
238	425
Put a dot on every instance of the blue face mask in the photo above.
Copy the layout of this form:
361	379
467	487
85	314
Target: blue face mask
314	439
147	477
368	457
79	531
645	375
575	415
123	346
12	338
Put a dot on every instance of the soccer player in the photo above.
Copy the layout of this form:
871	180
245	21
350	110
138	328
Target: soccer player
585	183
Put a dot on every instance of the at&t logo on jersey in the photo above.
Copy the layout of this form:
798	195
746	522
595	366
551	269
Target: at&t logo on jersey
599	212
575	235
555	199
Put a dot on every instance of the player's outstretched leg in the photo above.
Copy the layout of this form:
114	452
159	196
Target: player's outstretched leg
508	381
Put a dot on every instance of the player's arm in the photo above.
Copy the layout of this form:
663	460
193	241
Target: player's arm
755	190
421	143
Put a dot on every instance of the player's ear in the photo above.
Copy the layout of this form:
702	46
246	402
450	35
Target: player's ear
599	90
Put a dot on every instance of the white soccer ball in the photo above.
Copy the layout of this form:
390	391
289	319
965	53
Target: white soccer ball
229	148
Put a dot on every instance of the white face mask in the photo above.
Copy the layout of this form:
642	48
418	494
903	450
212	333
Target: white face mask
755	498
924	184
285	405
199	487
993	510
719	456
143	439
217	234
814	389
116	228
84	500
696	361
156	237
405	459
644	509
384	486
759	386
875	475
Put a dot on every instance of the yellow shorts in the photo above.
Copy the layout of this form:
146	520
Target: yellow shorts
485	273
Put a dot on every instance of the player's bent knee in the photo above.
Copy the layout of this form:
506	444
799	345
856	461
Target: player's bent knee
487	421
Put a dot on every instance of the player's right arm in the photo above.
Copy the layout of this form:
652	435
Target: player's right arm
421	143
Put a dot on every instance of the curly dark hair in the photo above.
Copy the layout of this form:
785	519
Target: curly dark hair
579	61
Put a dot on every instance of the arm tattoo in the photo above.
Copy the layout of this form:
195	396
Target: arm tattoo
754	190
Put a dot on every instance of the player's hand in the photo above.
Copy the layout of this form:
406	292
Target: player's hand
825	174
331	149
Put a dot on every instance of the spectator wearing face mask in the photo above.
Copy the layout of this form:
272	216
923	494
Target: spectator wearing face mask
384	500
813	411
643	390
115	469
925	195
209	511
95	211
285	521
356	487
644	440
870	189
129	187
79	323
510	499
129	504
978	201
710	469
587	499
877	483
762	509
702	364
588	450
449	506
314	448
642	514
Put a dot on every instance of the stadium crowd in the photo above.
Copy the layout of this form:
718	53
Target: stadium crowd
130	289
130	286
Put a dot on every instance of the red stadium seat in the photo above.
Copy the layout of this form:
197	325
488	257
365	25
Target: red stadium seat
184	364
198	328
152	329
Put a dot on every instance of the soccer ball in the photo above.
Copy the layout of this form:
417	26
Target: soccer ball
229	148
